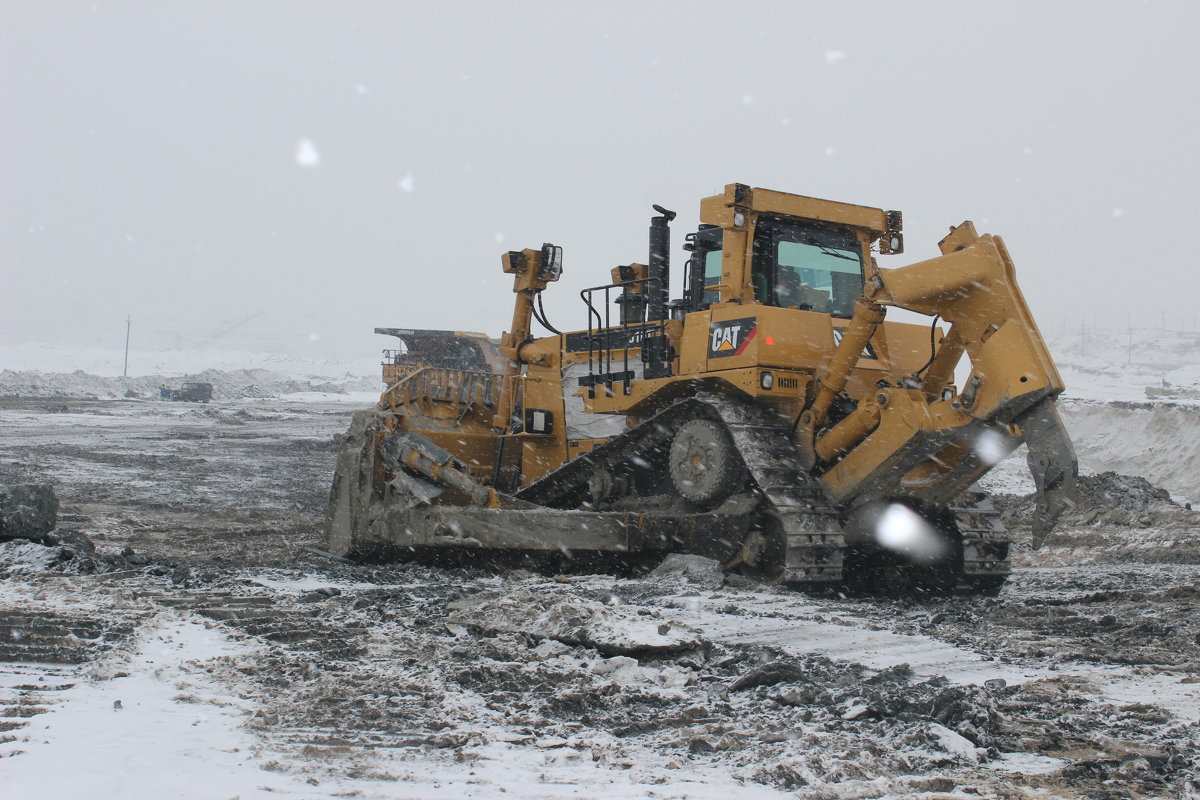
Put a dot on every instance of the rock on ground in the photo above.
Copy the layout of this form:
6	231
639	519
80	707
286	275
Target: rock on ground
27	511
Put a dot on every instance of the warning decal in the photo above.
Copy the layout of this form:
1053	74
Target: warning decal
868	350
731	337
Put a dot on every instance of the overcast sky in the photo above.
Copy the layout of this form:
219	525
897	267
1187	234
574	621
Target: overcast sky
336	166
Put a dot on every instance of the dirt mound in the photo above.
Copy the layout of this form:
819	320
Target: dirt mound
580	622
1110	490
59	552
1117	519
67	551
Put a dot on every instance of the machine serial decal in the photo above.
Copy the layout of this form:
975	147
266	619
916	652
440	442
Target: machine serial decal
731	337
610	338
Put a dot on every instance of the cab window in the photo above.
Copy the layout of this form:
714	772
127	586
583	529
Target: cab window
703	268
807	267
712	276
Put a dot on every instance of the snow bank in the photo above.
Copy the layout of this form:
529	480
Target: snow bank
236	384
1160	442
40	357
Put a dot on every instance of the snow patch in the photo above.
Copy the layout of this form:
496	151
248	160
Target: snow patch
160	729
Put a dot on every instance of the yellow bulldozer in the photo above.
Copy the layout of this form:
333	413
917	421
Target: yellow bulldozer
771	418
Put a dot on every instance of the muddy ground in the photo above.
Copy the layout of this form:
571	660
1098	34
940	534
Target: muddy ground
1080	680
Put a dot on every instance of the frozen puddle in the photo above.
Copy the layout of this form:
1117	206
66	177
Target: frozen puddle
1027	764
804	631
798	627
1164	691
288	583
157	728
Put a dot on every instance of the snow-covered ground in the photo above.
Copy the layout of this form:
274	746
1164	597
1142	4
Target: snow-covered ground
223	658
1112	364
148	722
39	370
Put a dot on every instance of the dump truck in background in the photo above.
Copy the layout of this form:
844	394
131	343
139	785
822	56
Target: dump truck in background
771	418
470	352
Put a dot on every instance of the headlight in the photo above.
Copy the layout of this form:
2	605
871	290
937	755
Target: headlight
766	381
551	263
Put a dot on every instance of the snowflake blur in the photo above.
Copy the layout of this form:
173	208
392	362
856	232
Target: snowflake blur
990	447
307	155
900	529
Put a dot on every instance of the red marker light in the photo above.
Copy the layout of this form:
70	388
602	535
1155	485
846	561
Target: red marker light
770	341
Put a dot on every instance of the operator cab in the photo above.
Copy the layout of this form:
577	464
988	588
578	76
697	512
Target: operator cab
797	264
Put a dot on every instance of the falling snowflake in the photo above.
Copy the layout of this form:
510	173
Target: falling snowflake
307	155
990	446
832	57
902	530
406	183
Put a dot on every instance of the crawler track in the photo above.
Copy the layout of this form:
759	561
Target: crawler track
796	535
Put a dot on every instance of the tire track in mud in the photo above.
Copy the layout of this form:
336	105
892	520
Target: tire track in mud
138	681
44	652
27	690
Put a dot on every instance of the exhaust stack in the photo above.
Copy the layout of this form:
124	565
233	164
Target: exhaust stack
659	288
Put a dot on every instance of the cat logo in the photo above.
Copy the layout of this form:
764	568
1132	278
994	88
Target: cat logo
868	351
731	337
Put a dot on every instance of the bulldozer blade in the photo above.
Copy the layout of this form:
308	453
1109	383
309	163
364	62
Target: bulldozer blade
1053	465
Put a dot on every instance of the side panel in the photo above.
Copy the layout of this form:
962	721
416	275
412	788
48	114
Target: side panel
741	335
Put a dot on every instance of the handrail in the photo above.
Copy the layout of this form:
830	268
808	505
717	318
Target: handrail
603	355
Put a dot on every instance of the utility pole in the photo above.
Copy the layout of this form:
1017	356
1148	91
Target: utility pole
1129	322
128	326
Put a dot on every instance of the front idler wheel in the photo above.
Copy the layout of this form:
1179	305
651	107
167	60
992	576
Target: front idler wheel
704	464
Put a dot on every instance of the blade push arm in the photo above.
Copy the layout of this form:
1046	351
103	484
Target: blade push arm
906	439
